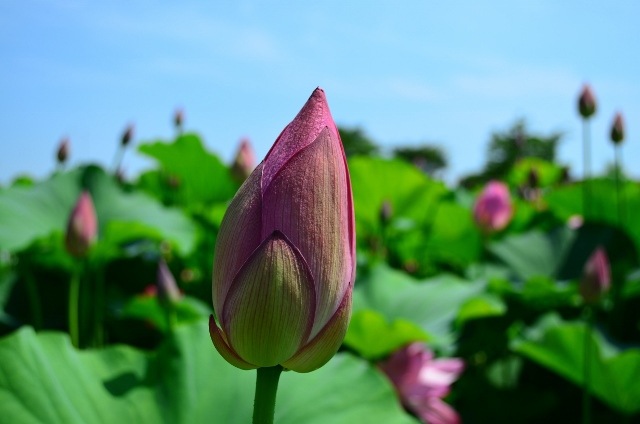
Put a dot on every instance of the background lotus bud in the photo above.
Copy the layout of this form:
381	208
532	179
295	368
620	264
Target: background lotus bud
493	210
533	178
245	161
82	228
168	291
596	278
421	382
284	263
127	135
178	119
63	151
586	102
617	129
386	212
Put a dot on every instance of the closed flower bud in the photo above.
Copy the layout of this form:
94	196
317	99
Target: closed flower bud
245	161
533	179
586	102
82	228
127	135
63	151
596	277
386	212
178	118
493	210
284	263
168	291
617	129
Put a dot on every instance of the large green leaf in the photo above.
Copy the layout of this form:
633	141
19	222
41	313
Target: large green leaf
566	201
43	379
432	304
197	176
560	346
29	213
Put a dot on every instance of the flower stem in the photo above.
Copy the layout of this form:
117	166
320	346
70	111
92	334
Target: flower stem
74	306
34	299
586	153
618	164
265	400
586	398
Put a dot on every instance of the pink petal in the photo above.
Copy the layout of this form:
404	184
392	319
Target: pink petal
434	411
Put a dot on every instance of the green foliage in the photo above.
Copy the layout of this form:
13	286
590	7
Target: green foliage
356	142
43	379
428	158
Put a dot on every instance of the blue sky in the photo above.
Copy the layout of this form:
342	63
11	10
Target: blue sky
407	72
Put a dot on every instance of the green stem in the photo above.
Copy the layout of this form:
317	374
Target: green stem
265	401
74	301
586	153
34	299
98	331
117	160
586	398
619	200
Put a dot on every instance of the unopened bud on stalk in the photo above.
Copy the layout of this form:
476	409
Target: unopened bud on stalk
284	262
82	229
617	129
63	151
586	102
178	118
168	291
127	135
493	210
245	161
596	278
533	179
386	212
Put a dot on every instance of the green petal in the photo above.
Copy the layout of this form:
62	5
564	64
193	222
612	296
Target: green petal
224	350
322	348
270	307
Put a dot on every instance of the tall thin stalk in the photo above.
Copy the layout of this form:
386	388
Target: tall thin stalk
586	153
619	194
265	399
74	305
586	396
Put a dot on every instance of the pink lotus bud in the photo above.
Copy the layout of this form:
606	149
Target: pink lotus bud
617	129
596	278
127	135
284	264
493	210
82	229
168	291
63	151
586	102
178	118
422	381
245	161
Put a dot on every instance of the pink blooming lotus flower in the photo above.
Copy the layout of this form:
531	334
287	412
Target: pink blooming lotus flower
596	277
82	228
245	161
422	382
493	210
284	263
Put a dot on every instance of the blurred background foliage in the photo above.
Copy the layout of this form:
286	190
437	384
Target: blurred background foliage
507	302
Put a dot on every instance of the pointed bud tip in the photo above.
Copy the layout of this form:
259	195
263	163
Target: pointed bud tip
587	102
617	129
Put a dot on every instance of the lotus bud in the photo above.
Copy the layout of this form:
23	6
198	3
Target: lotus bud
586	102
422	381
284	262
127	135
63	151
82	228
245	161
493	210
168	291
596	277
386	212
533	179
617	129
178	119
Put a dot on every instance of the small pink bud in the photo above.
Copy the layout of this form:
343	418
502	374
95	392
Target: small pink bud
82	229
284	263
617	129
178	118
127	135
386	212
493	210
422	381
63	151
596	278
586	102
168	291
245	161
